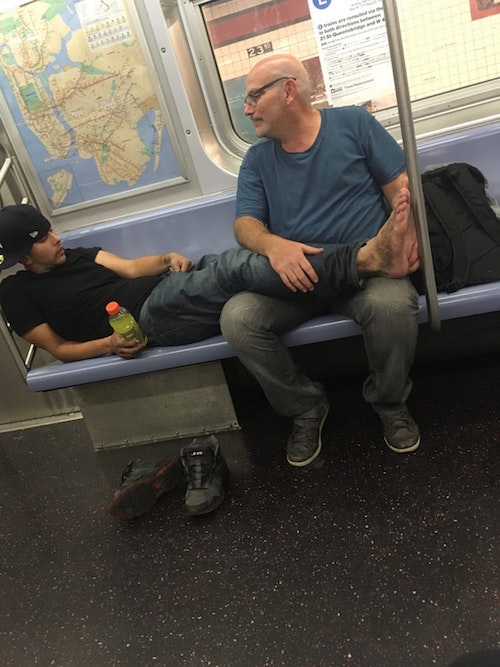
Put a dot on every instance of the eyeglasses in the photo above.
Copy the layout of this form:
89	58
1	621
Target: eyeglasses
254	96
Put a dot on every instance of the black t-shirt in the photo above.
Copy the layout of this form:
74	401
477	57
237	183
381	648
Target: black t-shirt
72	297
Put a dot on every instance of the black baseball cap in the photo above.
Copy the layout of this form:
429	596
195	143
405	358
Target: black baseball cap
21	225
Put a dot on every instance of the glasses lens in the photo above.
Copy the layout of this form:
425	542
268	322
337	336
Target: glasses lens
252	98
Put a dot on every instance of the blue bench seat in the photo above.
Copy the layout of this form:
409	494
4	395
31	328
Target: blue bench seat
468	301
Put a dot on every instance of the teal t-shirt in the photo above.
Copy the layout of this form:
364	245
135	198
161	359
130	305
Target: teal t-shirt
329	193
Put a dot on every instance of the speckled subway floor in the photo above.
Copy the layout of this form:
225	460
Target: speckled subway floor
365	559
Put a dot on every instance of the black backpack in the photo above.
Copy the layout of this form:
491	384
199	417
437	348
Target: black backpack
464	231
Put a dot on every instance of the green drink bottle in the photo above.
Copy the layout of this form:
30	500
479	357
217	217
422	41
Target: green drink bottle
124	323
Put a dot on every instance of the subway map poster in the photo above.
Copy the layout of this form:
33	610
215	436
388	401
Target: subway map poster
74	79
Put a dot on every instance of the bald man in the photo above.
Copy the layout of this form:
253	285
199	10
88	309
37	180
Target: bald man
317	177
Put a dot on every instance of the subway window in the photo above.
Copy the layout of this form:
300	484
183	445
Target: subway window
451	50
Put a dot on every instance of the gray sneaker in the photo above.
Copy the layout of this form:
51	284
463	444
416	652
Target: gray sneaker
142	483
401	433
206	473
304	445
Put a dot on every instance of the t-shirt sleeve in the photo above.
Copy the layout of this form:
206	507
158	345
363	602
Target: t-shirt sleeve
385	157
90	253
18	307
251	196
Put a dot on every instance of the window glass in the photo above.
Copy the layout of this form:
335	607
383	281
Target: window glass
448	46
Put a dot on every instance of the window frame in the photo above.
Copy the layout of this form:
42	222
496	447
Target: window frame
437	114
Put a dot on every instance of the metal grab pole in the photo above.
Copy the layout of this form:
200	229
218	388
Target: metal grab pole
5	169
410	147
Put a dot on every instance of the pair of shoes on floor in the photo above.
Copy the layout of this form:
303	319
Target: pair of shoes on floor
401	433
200	464
304	445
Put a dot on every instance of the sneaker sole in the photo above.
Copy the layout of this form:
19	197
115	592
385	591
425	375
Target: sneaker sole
301	464
400	450
201	511
140	496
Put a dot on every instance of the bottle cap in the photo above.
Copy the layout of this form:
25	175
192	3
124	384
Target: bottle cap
113	308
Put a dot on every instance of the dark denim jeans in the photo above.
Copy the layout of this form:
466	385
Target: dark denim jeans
185	307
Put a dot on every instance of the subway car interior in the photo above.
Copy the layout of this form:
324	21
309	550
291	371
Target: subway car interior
125	124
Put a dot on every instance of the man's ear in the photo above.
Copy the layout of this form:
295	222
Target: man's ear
26	261
290	90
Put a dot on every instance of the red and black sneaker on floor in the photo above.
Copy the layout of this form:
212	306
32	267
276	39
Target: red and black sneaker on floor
201	465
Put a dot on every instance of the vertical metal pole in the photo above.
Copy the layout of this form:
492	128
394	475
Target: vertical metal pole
410	147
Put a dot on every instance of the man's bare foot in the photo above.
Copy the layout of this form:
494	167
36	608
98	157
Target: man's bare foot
393	253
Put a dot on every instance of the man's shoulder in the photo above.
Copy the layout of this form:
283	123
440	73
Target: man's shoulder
14	278
75	257
346	114
12	286
86	252
263	144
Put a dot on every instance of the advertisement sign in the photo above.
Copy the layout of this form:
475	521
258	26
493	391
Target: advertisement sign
354	52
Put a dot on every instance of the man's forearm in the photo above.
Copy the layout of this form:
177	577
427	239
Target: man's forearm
147	265
151	265
252	234
75	351
44	337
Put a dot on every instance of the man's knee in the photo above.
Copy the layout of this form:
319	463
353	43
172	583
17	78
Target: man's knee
248	315
387	302
238	314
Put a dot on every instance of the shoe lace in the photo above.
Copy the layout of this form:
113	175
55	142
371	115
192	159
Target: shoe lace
127	470
199	469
